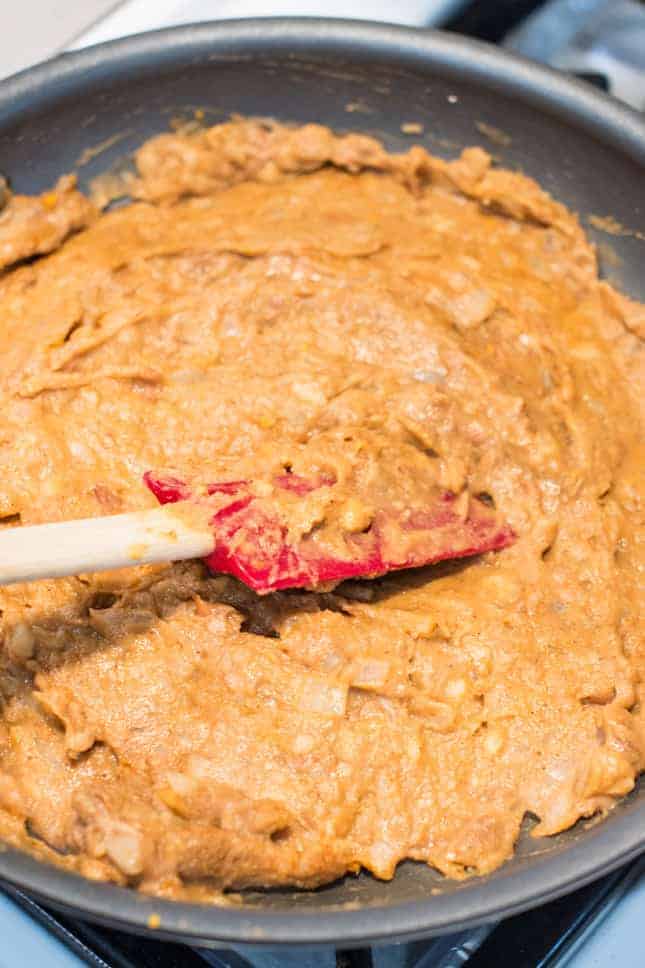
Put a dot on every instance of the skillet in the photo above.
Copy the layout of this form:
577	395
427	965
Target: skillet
586	149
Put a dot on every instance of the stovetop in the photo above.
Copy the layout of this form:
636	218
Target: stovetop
597	926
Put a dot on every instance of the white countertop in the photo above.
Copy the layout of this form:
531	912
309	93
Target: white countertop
35	29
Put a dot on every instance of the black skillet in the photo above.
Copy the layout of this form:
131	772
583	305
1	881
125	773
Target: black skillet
582	146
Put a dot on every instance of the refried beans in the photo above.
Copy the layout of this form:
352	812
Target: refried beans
270	287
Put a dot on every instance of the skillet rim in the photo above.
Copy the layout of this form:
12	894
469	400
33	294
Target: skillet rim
499	70
508	891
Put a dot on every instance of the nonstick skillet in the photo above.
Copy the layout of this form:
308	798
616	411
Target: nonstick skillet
586	149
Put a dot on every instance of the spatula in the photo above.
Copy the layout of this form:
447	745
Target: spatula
241	528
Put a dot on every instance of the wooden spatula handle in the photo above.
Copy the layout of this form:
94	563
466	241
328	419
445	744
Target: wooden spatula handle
98	544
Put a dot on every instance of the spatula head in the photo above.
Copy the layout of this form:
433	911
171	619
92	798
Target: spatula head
253	541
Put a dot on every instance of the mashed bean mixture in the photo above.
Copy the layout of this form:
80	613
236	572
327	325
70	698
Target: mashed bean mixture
167	728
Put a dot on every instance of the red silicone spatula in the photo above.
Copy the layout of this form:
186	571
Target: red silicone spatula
246	528
253	543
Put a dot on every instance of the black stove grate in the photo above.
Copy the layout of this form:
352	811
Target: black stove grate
491	21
